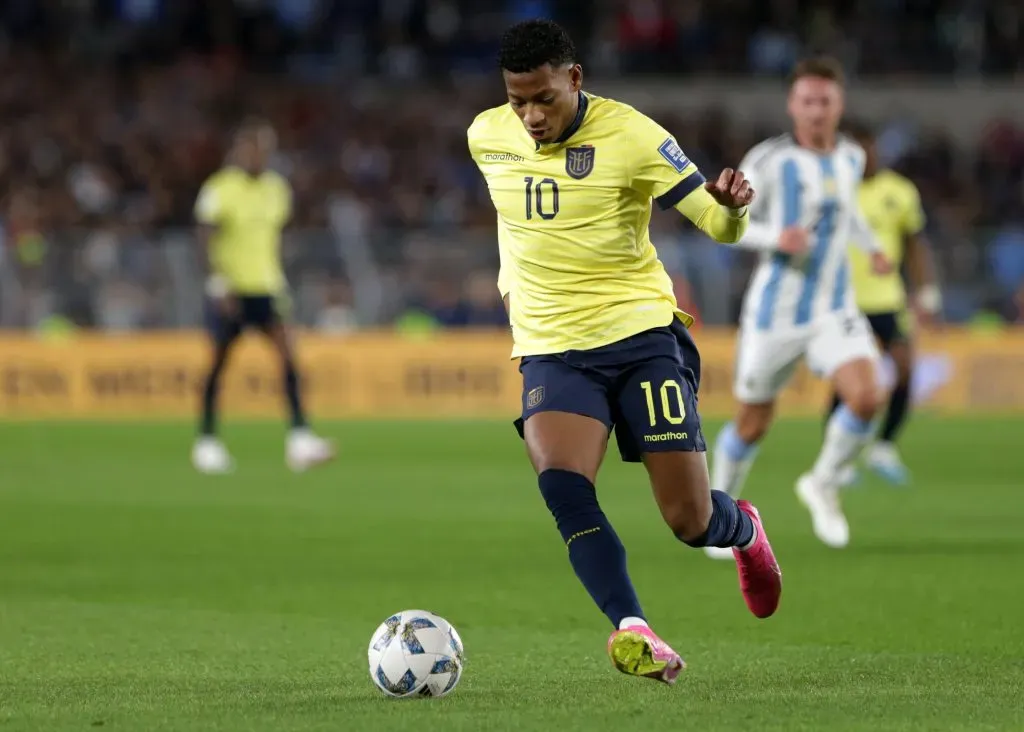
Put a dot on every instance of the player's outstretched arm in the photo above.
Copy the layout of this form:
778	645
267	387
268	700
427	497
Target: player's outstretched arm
661	170
719	209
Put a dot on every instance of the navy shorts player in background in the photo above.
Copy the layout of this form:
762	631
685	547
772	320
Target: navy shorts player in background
241	211
603	347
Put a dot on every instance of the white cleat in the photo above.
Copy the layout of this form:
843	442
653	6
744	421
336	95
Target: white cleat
305	450
827	517
884	459
209	456
717	552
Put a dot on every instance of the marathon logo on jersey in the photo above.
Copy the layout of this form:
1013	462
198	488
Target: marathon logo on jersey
503	157
579	161
674	154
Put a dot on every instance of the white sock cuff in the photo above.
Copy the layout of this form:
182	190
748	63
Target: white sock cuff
632	622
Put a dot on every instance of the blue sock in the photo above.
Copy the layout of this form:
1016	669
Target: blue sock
596	554
728	526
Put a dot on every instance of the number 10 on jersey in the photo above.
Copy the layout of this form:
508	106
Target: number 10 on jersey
541	197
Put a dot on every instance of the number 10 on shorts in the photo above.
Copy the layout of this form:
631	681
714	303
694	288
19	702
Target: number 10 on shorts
667	408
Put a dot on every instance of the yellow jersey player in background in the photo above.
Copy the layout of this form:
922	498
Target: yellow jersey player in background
241	211
602	343
892	206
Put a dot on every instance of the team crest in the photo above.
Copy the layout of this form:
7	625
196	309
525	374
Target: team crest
579	161
534	397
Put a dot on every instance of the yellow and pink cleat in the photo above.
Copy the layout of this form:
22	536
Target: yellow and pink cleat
637	651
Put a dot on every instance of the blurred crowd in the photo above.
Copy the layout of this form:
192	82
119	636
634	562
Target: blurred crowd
115	111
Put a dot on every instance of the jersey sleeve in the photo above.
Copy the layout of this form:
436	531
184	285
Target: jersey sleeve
660	168
210	203
287	200
913	215
504	267
473	134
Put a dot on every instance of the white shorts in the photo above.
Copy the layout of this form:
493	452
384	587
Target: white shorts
766	359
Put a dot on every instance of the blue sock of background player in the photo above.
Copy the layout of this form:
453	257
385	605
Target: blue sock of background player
598	556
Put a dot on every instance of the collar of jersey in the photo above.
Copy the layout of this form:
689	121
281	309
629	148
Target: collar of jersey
577	122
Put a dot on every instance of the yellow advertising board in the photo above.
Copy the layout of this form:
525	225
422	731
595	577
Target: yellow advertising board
383	375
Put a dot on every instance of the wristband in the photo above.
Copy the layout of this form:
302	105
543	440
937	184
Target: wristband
216	287
929	298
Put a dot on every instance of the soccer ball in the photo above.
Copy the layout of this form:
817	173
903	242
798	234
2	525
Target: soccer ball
416	653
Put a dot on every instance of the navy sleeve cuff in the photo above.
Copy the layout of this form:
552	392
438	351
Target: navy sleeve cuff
680	191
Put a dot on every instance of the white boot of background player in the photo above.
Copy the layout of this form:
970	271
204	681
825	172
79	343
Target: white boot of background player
305	450
209	456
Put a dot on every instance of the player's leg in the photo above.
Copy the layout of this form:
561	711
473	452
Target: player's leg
764	364
565	424
304	449
658	423
844	351
885	330
209	455
882	456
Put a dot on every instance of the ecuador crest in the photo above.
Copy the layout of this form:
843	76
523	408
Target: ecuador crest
579	161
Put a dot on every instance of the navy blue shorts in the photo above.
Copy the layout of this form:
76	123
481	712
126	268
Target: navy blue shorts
644	387
254	311
888	327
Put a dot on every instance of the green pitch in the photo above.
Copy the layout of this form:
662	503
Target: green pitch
136	595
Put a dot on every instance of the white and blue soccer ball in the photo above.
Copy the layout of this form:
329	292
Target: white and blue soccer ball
416	653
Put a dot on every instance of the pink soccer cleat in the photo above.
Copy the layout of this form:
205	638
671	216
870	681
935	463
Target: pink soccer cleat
637	651
760	576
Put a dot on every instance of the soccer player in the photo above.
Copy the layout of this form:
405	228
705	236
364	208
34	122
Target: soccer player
241	211
596	326
799	303
892	207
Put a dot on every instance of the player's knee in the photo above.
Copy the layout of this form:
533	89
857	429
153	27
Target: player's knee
567	493
689	518
903	361
753	421
864	401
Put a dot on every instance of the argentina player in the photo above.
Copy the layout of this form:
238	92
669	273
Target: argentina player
799	303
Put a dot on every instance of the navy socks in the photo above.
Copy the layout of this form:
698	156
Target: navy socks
596	554
728	526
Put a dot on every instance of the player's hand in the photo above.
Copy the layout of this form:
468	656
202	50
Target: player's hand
731	189
880	264
795	240
927	306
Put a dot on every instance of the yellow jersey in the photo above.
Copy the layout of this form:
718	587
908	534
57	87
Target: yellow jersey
892	206
249	213
576	259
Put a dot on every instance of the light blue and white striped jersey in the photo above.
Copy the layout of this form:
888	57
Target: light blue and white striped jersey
800	187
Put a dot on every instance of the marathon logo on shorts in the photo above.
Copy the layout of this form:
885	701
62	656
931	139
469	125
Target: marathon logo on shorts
579	161
534	397
674	154
667	437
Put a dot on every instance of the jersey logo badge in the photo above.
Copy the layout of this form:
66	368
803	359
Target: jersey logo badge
674	154
534	397
579	161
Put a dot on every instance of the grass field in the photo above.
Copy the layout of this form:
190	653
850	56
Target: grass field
135	595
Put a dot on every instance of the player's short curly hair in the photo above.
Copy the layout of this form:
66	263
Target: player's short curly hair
531	44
